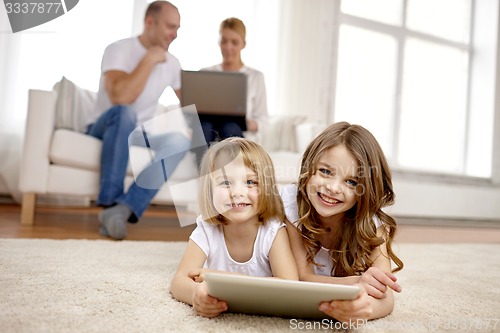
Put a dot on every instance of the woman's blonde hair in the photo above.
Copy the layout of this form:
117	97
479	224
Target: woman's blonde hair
254	157
357	236
236	25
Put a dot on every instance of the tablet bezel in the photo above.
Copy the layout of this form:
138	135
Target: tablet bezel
276	297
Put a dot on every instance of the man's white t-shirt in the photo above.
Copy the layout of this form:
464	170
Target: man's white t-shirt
289	196
210	238
124	55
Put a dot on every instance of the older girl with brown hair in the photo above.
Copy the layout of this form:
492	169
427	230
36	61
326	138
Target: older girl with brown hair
338	229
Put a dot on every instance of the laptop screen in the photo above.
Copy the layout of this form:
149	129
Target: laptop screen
215	93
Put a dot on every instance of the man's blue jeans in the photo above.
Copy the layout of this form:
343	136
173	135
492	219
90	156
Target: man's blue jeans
114	127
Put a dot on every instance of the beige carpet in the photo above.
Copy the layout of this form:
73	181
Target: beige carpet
104	286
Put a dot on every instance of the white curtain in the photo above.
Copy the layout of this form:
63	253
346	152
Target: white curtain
70	45
11	118
306	57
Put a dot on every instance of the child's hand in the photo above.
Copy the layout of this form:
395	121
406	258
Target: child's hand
352	310
198	274
205	305
375	282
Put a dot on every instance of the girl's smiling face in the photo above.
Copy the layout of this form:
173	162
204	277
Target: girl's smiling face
332	188
236	192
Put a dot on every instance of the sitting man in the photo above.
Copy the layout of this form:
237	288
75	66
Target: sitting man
134	73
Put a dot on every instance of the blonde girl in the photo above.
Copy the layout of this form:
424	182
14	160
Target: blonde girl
240	229
337	227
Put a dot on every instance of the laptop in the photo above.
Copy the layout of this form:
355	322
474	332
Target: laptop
215	93
276	297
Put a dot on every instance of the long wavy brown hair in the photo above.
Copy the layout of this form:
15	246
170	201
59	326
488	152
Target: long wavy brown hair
357	236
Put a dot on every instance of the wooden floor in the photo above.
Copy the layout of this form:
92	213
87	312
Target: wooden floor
162	224
158	224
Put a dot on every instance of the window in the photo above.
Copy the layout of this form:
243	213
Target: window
418	74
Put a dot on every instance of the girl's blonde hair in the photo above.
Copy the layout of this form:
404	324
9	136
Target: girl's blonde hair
254	157
236	25
357	236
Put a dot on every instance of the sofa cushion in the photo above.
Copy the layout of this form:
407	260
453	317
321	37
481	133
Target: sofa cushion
72	105
74	149
77	150
280	133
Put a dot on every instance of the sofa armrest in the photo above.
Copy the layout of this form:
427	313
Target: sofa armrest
35	161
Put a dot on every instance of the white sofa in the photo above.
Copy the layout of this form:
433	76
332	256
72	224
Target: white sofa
64	162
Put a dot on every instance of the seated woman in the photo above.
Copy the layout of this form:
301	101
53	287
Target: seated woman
215	128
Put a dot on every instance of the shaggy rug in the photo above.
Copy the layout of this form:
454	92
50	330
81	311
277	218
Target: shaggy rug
105	286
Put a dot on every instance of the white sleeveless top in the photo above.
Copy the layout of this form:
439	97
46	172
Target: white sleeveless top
210	238
289	196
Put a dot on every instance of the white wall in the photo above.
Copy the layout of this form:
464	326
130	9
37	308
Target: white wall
453	201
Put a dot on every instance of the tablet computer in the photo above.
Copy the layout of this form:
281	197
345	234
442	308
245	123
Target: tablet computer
276	297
